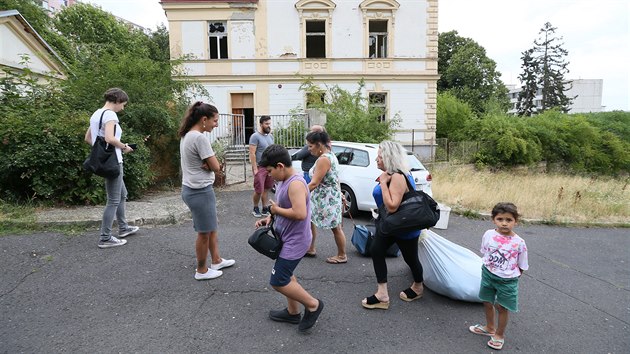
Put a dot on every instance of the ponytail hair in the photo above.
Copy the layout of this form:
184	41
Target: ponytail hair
194	113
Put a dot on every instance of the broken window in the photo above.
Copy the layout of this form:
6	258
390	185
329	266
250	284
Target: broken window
217	33
378	100
378	38
314	99
316	39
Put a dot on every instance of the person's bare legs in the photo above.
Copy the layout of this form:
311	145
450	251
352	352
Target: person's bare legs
295	294
256	199
418	288
503	321
201	250
213	247
381	293
490	326
264	198
340	240
311	249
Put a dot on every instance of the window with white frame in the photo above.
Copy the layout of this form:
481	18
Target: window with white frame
315	39
218	40
378	38
379	100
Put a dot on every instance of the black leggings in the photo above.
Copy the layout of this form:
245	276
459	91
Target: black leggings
409	250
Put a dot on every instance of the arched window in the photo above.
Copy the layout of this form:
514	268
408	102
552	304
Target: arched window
315	25
378	23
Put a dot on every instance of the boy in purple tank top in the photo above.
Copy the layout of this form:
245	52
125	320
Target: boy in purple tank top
292	222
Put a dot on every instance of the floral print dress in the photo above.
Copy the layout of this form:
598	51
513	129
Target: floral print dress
326	206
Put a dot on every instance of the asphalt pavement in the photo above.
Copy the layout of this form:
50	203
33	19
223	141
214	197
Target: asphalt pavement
61	293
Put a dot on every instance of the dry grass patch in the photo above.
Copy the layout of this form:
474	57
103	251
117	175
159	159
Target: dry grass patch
549	197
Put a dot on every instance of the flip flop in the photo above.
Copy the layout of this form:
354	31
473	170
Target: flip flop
373	302
411	295
496	343
478	329
336	260
310	255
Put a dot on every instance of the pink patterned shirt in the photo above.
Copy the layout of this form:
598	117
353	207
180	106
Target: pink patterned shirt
504	255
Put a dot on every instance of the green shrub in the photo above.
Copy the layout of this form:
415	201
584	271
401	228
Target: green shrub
452	117
43	157
506	141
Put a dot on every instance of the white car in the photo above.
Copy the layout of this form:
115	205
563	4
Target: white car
358	173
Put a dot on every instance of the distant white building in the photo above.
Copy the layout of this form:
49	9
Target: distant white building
19	41
588	92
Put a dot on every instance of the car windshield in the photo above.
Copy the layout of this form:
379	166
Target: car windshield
414	163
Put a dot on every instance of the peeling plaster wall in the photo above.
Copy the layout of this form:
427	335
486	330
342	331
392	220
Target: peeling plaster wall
193	39
242	39
283	29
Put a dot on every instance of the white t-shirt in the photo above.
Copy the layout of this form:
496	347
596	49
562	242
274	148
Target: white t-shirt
194	148
504	255
108	116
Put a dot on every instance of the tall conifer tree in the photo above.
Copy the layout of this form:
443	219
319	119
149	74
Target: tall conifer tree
526	105
549	61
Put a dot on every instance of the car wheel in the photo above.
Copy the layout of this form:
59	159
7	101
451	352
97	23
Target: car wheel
351	202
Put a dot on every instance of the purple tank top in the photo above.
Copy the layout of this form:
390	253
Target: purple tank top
295	234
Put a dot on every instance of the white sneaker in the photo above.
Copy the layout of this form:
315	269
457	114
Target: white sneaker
210	274
224	264
130	230
112	242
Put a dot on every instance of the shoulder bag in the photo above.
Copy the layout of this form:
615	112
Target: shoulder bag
417	211
265	241
102	160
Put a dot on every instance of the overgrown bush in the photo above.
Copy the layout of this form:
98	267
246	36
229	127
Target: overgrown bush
350	117
452	117
580	143
505	141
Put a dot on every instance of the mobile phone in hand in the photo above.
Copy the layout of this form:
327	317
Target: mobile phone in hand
133	146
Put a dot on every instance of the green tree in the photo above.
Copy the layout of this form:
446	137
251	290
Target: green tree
448	44
468	73
526	105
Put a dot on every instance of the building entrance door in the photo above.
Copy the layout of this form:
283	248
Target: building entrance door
243	103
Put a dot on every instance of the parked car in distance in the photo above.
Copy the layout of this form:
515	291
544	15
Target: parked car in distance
358	173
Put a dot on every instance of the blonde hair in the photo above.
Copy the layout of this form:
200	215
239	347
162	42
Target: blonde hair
394	157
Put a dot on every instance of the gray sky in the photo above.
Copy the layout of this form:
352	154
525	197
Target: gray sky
596	34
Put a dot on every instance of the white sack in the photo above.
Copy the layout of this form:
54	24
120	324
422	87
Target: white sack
449	269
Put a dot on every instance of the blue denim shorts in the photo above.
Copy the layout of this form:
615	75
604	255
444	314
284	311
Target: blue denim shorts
282	271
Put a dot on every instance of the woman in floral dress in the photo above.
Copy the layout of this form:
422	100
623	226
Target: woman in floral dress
326	197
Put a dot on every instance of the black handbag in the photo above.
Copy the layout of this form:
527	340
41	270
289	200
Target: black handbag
265	241
102	160
417	211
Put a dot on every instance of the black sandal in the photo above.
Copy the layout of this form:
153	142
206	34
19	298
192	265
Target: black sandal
373	302
411	295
